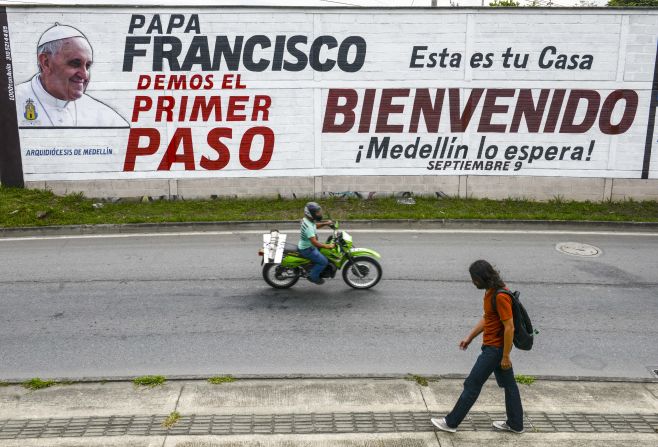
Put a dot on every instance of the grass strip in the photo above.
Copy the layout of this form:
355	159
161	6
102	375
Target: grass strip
38	384
150	381
218	380
171	420
26	208
420	380
524	380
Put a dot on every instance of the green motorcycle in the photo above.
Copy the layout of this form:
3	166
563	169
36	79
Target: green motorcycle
283	265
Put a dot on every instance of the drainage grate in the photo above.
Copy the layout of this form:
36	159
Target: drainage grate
314	423
578	249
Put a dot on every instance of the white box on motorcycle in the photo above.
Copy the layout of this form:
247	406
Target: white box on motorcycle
273	244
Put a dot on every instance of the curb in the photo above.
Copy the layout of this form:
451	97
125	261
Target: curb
276	377
66	230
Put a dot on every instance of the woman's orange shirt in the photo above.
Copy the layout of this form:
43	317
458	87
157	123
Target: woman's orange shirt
494	331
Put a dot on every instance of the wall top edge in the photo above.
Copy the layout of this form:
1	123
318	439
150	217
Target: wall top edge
316	9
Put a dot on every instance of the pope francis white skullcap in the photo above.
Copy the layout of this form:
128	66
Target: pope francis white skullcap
59	32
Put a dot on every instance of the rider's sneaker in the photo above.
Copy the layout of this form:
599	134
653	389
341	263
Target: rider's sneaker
319	282
502	425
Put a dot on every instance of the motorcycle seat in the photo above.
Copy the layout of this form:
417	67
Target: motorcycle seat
290	248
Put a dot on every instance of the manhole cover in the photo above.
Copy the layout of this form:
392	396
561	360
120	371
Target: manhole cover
577	249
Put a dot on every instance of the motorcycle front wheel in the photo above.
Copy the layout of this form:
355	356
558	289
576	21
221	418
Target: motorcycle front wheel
280	277
362	272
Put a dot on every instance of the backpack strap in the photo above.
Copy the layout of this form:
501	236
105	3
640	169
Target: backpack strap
493	298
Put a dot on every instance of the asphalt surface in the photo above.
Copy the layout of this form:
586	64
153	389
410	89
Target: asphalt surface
196	304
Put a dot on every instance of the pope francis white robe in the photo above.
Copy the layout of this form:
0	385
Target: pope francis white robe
36	107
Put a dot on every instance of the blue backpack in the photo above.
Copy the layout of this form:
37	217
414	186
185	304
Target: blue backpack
524	333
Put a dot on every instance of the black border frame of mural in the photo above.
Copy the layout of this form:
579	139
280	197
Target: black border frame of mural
653	105
11	168
11	165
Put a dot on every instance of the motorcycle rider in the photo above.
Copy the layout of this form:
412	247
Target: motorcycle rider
308	241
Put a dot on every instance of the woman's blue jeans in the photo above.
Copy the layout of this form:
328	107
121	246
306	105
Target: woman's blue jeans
319	261
488	362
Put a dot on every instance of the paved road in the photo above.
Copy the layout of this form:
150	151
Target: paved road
196	304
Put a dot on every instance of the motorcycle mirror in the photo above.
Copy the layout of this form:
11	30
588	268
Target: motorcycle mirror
334	225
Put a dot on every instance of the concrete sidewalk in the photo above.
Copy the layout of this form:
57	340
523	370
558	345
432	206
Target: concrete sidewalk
323	412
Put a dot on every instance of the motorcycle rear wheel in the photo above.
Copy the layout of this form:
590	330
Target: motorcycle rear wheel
280	277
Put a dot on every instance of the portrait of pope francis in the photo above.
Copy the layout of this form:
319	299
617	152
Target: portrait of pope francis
55	96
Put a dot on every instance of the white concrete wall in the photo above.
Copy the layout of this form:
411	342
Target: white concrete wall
308	161
493	187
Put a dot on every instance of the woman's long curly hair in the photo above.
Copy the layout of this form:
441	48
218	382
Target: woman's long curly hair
485	275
